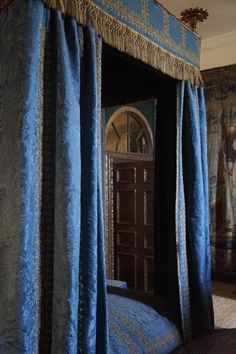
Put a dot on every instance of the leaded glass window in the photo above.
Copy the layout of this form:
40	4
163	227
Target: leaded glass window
128	132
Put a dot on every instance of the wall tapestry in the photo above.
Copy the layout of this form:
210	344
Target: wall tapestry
220	90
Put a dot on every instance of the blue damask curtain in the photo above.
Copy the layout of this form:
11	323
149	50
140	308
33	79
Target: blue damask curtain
183	262
52	286
192	210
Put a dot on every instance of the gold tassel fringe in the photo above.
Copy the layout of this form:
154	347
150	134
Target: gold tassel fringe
125	39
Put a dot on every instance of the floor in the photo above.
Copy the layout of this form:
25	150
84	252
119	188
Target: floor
224	302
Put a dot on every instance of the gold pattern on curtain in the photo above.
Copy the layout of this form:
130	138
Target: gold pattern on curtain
124	38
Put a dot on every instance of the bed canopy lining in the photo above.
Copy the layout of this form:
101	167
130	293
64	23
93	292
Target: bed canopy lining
136	36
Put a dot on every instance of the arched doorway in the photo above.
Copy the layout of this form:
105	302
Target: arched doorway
129	198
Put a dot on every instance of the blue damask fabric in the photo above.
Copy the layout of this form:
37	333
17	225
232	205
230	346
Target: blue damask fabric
192	219
52	284
153	22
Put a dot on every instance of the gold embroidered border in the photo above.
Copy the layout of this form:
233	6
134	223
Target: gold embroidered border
129	324
186	323
160	343
144	10
38	171
99	103
166	23
120	333
184	37
126	39
144	25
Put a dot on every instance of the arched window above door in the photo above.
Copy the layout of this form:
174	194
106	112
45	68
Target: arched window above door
129	132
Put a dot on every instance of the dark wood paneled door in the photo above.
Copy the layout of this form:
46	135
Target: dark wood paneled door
133	224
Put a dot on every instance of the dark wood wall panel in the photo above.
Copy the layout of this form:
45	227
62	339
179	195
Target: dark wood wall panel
149	175
133	226
126	175
149	240
126	268
127	239
126	207
148	207
149	274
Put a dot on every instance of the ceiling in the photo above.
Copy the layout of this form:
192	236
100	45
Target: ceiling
218	31
222	14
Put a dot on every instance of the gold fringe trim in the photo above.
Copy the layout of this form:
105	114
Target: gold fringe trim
125	39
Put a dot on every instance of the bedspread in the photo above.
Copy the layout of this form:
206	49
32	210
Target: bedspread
135	327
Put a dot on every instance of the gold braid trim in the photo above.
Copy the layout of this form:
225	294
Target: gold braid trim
4	4
126	39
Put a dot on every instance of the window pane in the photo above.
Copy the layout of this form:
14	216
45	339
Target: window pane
127	133
111	139
143	146
121	124
135	127
123	142
116	139
133	145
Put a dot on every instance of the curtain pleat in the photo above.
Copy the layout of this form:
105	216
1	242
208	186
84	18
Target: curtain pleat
52	274
20	178
183	261
180	218
192	164
52	283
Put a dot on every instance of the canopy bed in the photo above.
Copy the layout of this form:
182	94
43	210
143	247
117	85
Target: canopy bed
53	294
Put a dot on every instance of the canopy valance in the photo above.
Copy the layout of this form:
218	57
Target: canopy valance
142	29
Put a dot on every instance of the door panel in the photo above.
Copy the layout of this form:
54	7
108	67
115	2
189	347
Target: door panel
126	268
133	186
148	274
126	238
126	206
126	175
148	207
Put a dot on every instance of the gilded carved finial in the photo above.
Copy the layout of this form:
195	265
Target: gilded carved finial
193	16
